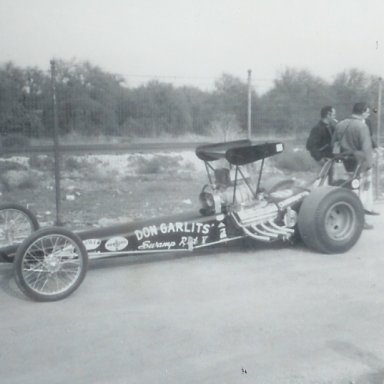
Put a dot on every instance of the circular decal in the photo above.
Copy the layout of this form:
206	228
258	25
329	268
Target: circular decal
91	244
220	217
355	183
116	244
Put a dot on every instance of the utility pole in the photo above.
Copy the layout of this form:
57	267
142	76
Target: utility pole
249	104
378	137
56	143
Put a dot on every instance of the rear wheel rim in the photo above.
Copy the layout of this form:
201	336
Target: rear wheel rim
340	221
52	265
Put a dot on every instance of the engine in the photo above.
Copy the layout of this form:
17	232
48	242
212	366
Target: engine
218	200
254	214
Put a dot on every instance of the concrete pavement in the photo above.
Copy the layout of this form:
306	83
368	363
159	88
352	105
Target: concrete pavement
268	314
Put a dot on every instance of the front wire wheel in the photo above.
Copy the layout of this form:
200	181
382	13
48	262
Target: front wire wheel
16	224
51	264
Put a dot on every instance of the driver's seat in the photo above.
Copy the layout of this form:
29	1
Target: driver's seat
339	171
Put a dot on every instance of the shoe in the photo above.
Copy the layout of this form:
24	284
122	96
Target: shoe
372	213
367	226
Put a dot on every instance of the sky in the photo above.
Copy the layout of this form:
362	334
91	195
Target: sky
194	42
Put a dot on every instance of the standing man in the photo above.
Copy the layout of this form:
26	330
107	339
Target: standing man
354	138
320	137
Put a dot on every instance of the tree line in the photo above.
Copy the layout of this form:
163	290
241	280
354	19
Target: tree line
91	102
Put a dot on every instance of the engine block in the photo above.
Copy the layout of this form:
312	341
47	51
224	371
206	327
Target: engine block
265	222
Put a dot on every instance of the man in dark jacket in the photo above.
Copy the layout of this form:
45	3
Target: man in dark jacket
319	140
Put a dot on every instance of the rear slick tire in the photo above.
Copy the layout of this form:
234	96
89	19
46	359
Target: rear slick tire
331	220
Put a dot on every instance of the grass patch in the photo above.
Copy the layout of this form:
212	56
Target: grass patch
158	164
41	162
151	166
19	179
6	165
73	164
295	160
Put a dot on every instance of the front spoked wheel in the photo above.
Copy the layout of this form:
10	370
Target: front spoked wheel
51	264
16	224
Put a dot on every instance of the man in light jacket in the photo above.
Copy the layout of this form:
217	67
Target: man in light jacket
354	137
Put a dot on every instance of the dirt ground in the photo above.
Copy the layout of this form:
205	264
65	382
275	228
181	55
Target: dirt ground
95	194
100	204
98	190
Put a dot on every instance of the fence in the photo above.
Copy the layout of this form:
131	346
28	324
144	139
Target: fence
80	104
100	105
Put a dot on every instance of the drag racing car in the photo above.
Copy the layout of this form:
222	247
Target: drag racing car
236	203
